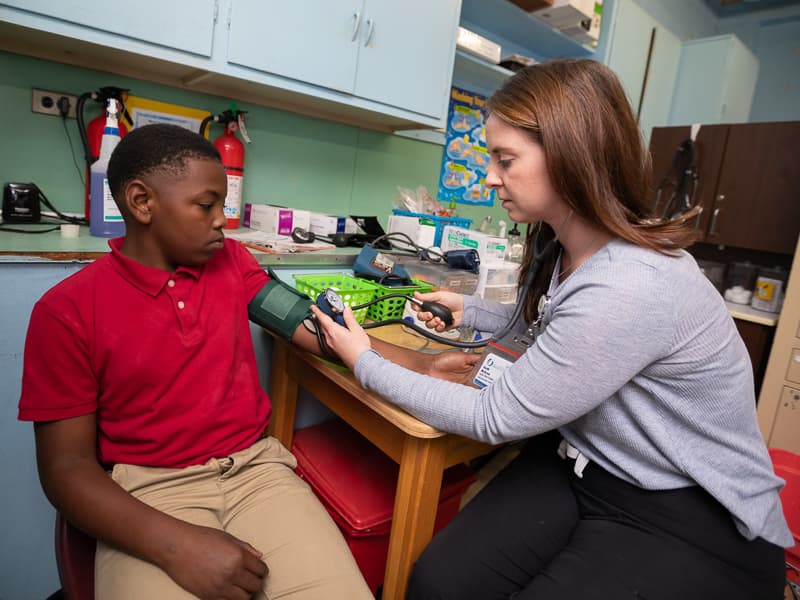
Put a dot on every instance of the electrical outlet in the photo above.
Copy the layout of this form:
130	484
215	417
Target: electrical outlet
46	102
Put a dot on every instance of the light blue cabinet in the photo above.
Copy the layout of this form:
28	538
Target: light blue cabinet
648	85
185	25
716	82
376	63
310	41
397	54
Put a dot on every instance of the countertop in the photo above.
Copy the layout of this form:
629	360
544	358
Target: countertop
52	247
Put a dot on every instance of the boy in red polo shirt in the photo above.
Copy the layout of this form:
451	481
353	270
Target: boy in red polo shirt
152	380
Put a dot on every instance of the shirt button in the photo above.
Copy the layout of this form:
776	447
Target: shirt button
181	304
171	283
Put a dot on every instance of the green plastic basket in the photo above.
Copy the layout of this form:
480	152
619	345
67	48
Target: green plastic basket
353	291
392	308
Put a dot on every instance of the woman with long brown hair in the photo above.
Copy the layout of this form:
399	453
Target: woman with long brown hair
644	474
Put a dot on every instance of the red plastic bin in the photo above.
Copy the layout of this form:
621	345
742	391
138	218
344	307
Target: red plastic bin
787	466
356	483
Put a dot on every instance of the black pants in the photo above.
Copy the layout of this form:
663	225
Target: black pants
538	532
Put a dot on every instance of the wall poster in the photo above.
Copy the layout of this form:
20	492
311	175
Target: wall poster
465	159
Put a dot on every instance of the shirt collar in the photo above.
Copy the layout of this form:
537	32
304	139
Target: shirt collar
148	279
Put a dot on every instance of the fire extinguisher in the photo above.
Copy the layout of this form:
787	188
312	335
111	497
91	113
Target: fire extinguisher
231	149
92	135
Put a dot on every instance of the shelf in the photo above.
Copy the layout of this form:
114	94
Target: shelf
527	35
476	75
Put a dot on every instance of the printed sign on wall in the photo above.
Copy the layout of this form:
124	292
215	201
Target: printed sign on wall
465	160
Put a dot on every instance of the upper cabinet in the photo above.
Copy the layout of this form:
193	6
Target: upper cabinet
184	25
716	82
397	54
748	176
375	63
645	56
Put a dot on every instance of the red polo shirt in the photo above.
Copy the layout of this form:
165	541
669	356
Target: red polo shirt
165	360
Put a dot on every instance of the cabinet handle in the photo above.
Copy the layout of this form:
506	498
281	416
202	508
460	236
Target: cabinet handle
721	197
370	31
713	229
356	25
697	219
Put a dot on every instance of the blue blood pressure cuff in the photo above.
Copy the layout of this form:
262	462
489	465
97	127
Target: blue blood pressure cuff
279	308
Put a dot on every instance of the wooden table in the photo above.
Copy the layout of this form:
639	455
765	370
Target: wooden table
421	451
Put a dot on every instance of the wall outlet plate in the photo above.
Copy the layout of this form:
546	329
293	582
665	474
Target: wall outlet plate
46	102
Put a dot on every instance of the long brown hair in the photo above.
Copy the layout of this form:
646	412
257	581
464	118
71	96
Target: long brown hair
577	111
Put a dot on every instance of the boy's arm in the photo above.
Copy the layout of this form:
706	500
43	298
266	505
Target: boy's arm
207	562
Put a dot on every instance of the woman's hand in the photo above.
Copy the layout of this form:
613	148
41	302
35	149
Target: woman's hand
452	300
349	342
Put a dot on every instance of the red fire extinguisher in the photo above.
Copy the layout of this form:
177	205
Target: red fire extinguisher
231	149
92	134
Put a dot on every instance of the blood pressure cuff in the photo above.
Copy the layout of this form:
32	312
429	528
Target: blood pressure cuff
279	308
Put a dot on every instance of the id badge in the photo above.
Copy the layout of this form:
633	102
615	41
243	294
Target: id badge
504	352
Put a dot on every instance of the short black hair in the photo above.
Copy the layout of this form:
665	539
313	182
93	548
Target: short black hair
157	147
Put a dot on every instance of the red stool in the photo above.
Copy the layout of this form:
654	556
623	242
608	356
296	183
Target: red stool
787	466
75	560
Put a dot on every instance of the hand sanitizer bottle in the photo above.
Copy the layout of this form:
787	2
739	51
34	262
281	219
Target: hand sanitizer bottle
105	219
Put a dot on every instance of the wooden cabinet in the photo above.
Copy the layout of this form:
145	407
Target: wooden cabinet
758	340
716	82
748	177
779	401
396	54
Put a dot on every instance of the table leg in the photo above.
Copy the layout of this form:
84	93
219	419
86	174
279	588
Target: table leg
417	500
283	390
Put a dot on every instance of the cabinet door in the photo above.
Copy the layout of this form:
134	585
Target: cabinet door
307	40
186	25
716	82
627	56
406	53
756	202
709	153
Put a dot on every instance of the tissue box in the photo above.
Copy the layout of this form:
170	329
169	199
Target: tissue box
477	45
566	13
421	230
275	219
323	224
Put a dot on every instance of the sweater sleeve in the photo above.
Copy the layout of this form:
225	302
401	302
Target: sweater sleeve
604	330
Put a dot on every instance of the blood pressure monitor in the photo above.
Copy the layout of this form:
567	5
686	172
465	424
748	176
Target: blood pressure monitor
332	305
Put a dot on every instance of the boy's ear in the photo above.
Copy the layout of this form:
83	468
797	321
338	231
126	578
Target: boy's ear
137	200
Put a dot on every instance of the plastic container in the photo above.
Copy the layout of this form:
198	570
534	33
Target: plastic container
715	272
440	276
105	219
787	466
740	282
356	483
438	221
769	289
352	290
392	308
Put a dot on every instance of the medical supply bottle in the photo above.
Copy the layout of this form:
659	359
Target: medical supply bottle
105	219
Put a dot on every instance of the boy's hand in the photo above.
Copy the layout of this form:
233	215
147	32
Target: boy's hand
212	564
453	366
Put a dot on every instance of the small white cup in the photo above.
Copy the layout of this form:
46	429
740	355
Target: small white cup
70	230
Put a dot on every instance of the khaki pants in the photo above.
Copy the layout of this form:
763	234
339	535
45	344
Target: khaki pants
254	495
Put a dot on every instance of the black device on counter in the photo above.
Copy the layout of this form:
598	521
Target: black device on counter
21	203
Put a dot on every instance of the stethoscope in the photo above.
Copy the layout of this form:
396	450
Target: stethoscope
332	304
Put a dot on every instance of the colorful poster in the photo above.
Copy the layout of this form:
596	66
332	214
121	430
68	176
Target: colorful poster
465	159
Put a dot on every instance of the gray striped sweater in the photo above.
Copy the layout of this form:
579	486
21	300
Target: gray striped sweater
640	367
